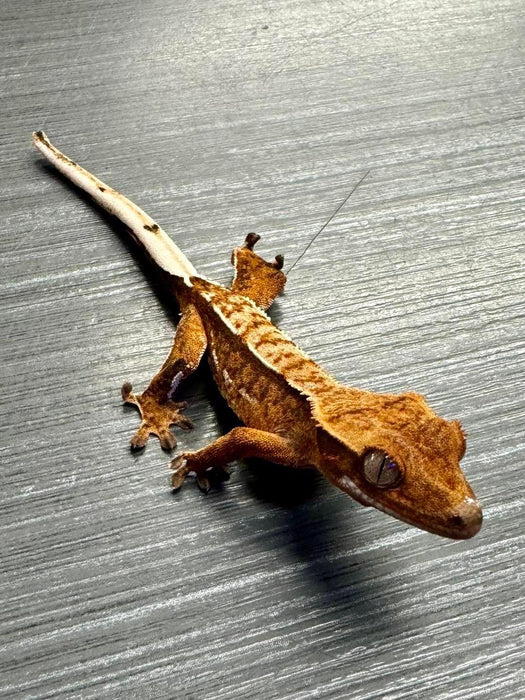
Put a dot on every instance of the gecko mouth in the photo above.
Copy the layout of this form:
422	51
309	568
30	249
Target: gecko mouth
461	523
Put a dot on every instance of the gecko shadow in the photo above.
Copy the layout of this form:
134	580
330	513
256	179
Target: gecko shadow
312	524
317	533
133	251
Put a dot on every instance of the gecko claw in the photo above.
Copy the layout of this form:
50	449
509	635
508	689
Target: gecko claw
140	439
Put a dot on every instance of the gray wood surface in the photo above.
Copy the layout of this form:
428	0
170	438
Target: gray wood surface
219	118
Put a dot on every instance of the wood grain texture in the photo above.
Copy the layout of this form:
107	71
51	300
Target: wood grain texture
219	118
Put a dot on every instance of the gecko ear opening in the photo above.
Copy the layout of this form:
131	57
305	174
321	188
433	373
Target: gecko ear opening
380	469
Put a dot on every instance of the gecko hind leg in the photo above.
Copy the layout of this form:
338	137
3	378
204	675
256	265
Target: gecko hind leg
156	406
255	278
211	461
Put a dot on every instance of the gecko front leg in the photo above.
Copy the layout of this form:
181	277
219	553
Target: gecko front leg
239	443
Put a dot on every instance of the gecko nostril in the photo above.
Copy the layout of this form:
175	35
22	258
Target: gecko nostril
467	518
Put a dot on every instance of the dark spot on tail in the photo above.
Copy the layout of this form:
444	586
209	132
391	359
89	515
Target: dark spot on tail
154	228
102	189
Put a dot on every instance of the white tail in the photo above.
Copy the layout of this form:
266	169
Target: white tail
143	228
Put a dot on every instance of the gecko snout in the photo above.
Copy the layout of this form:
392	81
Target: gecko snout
466	519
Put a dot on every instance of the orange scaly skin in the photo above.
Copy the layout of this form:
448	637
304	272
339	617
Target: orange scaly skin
385	450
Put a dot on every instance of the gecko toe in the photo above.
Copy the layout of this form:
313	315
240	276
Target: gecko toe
180	471
167	439
178	462
177	479
185	423
140	439
279	262
127	393
250	240
203	483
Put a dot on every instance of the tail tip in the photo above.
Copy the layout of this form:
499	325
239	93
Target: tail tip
39	137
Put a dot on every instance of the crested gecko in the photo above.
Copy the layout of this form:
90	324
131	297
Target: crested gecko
390	451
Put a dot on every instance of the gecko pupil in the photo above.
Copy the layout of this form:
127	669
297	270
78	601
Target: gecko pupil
381	470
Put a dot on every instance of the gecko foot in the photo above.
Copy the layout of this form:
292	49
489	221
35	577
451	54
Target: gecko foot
249	243
184	465
156	417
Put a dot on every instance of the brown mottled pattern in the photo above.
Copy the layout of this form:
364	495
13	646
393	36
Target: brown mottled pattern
358	418
345	413
259	396
269	345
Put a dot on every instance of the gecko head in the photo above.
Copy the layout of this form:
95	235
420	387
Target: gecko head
403	459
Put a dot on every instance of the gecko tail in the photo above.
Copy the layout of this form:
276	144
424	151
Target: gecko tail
148	234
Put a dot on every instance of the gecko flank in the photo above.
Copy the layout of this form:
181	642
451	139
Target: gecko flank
385	450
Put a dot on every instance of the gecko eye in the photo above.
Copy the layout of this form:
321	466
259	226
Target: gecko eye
381	470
